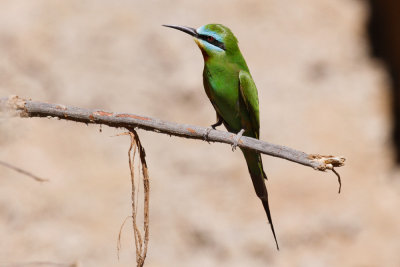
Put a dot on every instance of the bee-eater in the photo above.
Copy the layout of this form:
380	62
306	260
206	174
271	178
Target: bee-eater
233	94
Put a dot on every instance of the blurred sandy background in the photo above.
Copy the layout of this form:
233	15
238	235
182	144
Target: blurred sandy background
319	90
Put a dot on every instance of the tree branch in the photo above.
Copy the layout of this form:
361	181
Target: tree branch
19	107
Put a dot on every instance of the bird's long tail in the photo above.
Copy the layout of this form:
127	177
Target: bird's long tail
254	164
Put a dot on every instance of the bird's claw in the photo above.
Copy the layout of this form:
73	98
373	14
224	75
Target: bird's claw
207	132
237	138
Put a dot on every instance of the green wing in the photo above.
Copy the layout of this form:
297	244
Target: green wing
248	93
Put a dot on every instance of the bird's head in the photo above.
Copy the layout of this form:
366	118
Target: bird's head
213	39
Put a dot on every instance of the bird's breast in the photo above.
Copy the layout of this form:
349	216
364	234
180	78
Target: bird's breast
222	87
223	82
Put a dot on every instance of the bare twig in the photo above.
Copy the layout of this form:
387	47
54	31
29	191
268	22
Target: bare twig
40	264
37	178
25	108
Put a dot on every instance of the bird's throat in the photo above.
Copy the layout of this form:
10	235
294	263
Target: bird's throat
202	48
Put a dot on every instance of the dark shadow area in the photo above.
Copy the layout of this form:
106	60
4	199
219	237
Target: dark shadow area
384	34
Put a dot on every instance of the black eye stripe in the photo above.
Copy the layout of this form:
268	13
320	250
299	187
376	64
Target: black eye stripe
213	41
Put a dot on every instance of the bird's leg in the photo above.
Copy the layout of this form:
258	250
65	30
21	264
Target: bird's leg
218	123
237	138
212	127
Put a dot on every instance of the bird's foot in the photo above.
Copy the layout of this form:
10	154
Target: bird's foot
212	127
237	138
207	132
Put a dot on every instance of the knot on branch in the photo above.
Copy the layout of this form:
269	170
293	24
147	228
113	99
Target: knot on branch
326	162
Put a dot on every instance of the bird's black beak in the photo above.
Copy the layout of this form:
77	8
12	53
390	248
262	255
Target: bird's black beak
187	30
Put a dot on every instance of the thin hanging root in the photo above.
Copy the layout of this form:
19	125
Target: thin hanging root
138	237
141	243
339	180
120	234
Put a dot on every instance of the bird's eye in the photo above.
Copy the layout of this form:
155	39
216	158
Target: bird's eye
210	39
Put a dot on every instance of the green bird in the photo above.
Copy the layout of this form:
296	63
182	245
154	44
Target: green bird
233	94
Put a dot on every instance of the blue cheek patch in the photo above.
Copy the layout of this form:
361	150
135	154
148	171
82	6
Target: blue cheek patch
210	47
204	31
